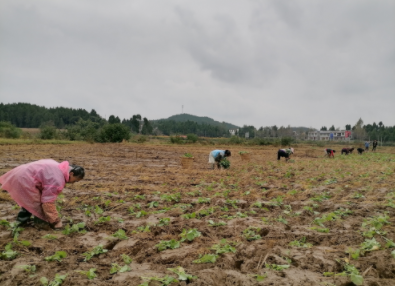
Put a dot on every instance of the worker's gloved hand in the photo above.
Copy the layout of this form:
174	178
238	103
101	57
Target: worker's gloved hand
58	225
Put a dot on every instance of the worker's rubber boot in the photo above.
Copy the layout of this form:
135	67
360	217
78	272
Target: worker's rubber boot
23	217
41	224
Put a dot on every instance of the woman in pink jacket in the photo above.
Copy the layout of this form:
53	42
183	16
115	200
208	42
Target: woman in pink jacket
35	187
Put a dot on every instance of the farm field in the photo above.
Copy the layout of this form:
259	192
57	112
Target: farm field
314	221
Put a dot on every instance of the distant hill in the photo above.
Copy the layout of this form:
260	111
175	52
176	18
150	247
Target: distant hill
199	119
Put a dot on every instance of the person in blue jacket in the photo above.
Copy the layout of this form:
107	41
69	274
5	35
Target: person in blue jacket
216	156
367	143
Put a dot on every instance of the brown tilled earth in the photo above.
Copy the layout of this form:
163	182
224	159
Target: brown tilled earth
279	201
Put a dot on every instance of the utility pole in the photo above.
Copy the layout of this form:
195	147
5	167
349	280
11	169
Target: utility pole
182	109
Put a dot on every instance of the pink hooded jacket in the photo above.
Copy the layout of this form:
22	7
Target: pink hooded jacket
33	184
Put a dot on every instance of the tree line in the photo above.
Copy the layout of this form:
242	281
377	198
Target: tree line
79	124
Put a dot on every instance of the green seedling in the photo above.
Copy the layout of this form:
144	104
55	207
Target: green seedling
165	244
8	253
167	280
354	253
58	256
300	243
75	228
390	243
139	197
189	216
90	273
212	223
330	181
276	202
164	221
251	233
98	210
206	212
153	204
103	219
277	267
28	268
322	197
358	196
115	268
181	274
258	277
57	281
320	229
223	247
351	272
95	251
232	203
203	200
4	222
282	220
171	197
190	234
207	258
188	155
120	233
126	259
143	228
241	215
370	245
243	152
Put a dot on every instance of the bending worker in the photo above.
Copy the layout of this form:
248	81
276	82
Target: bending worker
347	151
330	153
285	153
216	156
35	187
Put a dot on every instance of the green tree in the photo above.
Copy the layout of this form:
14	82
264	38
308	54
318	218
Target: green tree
323	128
112	119
135	123
359	131
147	128
332	128
116	132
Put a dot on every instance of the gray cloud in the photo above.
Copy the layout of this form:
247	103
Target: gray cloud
302	62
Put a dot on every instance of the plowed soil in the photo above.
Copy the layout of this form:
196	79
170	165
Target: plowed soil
327	206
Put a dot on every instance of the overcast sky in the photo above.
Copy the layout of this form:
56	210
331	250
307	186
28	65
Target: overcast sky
284	62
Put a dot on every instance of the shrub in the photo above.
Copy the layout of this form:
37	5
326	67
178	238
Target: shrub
141	138
8	130
47	131
286	141
176	139
114	133
192	138
235	140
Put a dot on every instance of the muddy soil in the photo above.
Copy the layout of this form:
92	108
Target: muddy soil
310	216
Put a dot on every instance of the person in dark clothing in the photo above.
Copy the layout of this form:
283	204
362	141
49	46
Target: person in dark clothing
285	153
360	151
347	151
330	153
374	145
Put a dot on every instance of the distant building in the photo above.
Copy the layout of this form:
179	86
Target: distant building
337	135
233	131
